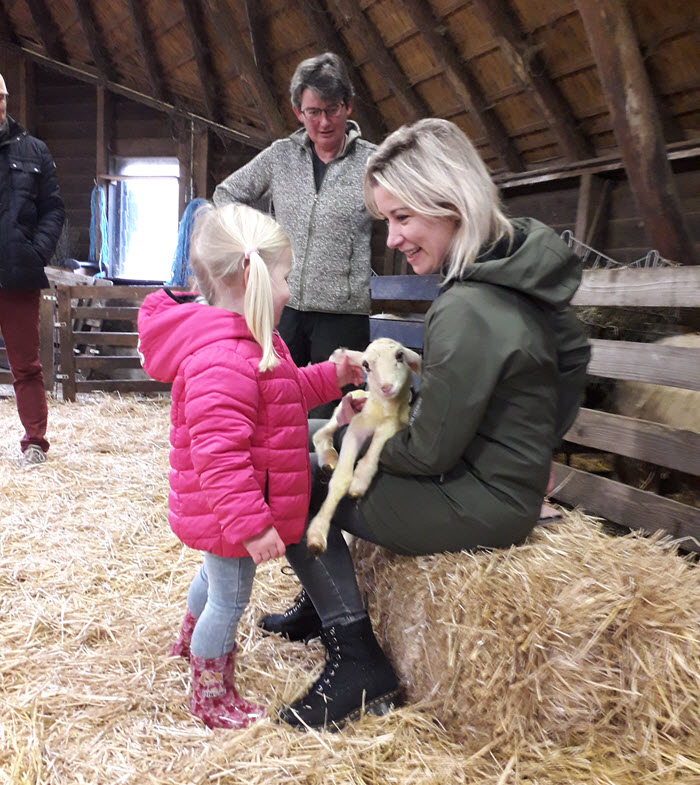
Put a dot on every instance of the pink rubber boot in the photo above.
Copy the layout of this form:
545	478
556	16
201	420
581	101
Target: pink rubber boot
181	647
214	697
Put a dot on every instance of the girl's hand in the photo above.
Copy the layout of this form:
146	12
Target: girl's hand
349	407
265	546
347	373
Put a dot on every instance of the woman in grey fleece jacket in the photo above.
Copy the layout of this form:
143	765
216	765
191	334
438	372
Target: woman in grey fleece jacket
313	182
504	369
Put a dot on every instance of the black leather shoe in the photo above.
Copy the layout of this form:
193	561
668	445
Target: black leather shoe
358	679
298	623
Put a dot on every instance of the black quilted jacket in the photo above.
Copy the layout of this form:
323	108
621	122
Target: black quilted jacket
31	210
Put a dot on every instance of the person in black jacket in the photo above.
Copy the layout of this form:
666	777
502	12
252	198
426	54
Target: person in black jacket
31	219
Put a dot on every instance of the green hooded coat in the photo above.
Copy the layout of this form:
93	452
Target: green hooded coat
504	369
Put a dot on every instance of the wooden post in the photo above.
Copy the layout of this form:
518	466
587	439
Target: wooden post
26	100
47	307
200	162
591	209
65	332
184	156
637	126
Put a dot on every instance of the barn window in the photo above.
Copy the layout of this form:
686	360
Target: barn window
143	218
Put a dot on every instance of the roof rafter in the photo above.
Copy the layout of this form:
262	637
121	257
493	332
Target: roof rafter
364	107
48	31
207	78
100	55
464	84
637	126
529	72
147	49
411	104
243	62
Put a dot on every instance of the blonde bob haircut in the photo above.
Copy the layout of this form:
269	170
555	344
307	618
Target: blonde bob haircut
224	241
435	171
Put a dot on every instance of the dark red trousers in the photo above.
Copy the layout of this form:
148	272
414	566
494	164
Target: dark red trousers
19	325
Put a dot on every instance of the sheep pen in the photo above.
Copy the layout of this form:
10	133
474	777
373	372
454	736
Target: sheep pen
572	660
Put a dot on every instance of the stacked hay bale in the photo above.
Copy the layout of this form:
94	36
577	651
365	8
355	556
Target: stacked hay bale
573	639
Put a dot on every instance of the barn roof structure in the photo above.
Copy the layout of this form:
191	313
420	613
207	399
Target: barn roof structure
546	89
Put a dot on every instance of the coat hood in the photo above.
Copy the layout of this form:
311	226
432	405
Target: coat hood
352	129
172	327
538	263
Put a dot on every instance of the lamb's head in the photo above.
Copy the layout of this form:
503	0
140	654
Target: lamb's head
388	365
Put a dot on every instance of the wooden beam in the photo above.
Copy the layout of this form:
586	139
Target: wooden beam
200	162
100	55
7	31
327	39
591	208
243	63
147	49
530	73
200	47
411	104
49	35
103	130
184	156
637	126
27	95
256	26
244	134
464	84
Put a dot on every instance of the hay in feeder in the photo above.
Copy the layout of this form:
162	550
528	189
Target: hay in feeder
92	590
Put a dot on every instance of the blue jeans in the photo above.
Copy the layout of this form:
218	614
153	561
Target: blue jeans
218	595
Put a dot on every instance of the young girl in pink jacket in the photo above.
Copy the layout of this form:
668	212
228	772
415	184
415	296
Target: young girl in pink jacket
240	476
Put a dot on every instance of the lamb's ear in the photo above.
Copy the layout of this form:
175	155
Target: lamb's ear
414	360
354	357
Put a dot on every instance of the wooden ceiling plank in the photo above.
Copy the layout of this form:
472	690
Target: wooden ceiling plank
208	81
48	30
243	63
637	126
411	104
364	107
147	49
464	84
529	71
99	53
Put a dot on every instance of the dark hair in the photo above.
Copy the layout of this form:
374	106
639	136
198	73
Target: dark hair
326	75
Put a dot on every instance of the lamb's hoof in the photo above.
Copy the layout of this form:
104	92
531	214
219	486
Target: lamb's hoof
328	461
316	548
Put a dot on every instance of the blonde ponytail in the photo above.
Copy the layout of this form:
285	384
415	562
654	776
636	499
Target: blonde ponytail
226	239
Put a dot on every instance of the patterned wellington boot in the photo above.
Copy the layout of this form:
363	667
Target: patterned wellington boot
181	647
214	698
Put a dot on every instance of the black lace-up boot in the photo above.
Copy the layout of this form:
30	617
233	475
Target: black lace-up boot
298	623
357	679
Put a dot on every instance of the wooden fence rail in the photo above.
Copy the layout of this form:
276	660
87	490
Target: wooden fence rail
408	296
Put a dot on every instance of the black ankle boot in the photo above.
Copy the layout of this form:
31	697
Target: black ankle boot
298	623
357	678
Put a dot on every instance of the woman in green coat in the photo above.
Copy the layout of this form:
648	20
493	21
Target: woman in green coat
504	368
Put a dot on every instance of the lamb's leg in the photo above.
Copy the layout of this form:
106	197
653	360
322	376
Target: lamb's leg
367	466
323	444
317	532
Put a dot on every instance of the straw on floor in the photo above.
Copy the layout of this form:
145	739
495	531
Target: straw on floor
574	659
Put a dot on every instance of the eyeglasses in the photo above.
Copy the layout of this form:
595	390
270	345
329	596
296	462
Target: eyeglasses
314	113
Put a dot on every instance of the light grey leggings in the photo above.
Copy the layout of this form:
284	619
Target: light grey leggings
218	595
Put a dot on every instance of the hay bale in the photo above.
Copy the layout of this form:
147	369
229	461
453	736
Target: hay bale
574	638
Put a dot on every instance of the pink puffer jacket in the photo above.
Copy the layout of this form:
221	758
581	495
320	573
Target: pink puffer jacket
239	438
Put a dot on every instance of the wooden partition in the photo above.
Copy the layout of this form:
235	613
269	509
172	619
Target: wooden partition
86	346
407	297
